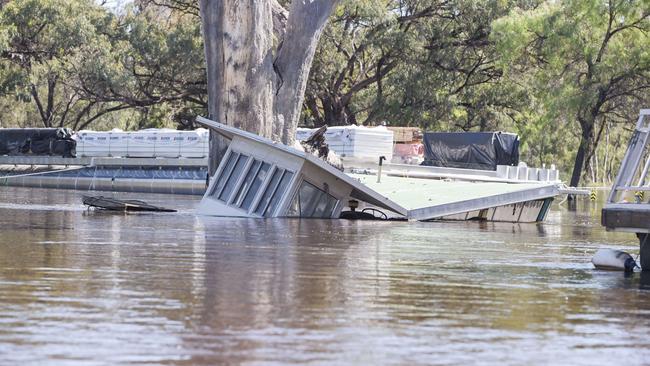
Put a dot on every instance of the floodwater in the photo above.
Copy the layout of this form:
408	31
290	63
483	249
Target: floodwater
82	287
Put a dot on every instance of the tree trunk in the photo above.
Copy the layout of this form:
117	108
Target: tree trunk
483	124
334	111
253	85
239	54
584	150
307	19
312	105
350	117
606	159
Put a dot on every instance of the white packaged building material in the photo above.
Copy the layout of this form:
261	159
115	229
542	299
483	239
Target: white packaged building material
357	143
150	143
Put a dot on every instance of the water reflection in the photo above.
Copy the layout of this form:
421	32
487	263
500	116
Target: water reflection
644	280
86	288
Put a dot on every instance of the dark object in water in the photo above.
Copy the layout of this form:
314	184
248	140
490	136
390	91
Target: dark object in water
357	215
365	214
112	204
37	141
610	259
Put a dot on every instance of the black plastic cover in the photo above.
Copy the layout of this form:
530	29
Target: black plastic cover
471	150
37	141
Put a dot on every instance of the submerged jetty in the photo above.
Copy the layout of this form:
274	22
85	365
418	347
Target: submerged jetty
152	160
149	175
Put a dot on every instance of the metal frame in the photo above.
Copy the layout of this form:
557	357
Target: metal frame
496	200
296	192
632	159
238	181
239	202
220	173
260	193
94	161
284	200
251	158
274	189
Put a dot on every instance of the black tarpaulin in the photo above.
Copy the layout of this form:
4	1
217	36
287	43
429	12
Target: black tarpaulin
37	141
507	148
471	150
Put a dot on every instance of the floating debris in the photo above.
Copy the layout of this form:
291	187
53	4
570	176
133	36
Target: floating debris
613	260
112	204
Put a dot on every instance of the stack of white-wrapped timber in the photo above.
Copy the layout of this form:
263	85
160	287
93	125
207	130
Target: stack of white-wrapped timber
149	143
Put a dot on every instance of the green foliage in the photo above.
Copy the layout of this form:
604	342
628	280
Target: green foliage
72	63
428	63
565	75
587	65
568	76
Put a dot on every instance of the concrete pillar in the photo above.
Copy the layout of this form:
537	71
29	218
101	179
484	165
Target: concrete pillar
644	257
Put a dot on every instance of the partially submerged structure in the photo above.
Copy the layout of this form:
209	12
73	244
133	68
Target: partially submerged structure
114	204
152	160
149	175
628	205
261	178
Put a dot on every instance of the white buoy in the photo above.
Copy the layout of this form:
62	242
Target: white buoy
613	260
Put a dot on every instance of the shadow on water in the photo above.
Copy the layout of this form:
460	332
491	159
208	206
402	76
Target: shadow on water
644	280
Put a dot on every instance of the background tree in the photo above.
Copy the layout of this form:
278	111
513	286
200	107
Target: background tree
154	65
423	63
73	63
590	63
40	39
568	76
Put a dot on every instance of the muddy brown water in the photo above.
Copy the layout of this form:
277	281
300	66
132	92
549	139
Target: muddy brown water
82	287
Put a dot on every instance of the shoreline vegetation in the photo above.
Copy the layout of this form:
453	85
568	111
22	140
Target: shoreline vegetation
568	76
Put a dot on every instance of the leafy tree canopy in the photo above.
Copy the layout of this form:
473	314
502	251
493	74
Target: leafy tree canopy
569	76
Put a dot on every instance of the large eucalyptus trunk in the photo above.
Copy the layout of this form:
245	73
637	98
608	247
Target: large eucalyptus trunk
258	60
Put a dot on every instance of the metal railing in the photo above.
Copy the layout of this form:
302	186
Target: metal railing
632	179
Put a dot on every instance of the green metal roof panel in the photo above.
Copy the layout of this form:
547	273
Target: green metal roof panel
430	198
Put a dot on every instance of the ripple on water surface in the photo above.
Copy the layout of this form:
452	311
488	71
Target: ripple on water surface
81	287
